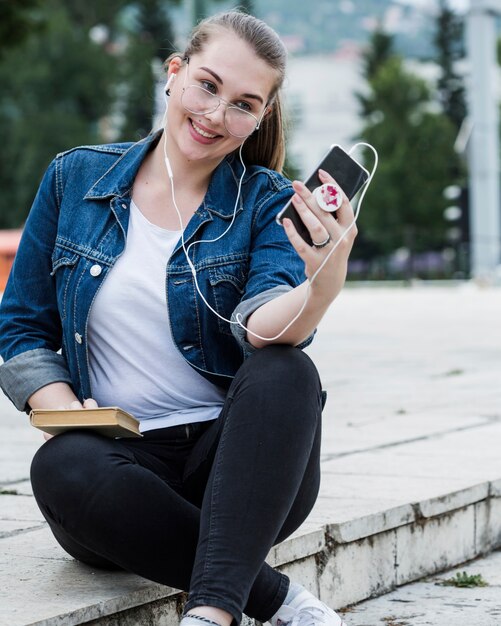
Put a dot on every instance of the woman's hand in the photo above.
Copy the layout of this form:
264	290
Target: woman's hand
322	225
90	403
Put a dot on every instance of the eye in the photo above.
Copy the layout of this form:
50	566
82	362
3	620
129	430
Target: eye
245	106
207	84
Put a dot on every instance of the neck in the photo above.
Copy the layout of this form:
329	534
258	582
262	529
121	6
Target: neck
192	174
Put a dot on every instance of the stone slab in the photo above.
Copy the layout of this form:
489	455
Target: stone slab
9	528
496	488
400	489
304	570
165	612
436	545
352	518
20	488
423	460
300	545
437	505
488	525
427	604
19	508
34	569
354	571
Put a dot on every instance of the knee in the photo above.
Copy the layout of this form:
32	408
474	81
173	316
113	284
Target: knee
62	463
285	365
282	384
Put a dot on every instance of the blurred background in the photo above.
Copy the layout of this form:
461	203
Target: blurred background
393	73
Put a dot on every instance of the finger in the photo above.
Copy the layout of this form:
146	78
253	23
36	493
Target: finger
327	219
90	403
75	405
303	249
46	436
345	214
318	231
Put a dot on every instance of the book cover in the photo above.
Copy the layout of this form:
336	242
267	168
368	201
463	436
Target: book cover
109	421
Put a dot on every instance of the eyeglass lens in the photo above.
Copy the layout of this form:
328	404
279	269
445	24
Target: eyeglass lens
238	122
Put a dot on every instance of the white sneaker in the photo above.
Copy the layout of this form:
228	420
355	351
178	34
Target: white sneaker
306	610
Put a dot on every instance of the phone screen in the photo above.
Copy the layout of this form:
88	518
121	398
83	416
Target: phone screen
348	174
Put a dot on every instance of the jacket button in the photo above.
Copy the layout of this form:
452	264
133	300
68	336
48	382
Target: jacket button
78	338
123	205
95	270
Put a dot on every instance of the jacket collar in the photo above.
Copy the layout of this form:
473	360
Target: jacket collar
118	180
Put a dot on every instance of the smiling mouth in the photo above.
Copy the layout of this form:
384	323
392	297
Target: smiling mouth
202	132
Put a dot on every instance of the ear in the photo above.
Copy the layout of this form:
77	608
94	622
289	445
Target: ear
174	66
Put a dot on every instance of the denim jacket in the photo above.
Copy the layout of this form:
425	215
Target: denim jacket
76	230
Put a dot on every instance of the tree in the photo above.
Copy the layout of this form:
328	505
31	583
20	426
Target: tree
404	206
151	39
66	84
57	85
449	45
17	21
377	53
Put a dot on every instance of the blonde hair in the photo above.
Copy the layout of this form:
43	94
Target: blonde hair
266	146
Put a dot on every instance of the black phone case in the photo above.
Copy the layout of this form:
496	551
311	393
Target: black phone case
348	174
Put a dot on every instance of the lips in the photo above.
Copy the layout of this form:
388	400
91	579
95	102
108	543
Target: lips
202	133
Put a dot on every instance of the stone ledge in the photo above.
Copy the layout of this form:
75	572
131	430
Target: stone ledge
400	544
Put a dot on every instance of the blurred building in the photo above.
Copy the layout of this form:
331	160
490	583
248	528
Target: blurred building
320	97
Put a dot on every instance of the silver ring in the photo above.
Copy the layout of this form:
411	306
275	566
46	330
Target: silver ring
322	244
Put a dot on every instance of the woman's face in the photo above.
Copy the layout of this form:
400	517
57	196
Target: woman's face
229	68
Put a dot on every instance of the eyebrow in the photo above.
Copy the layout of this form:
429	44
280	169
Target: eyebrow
220	81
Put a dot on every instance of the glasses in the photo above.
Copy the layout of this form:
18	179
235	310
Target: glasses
237	121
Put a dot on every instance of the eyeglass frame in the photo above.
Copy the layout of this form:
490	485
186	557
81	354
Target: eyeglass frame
229	105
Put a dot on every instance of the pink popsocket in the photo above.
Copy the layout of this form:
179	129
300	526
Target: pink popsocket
329	197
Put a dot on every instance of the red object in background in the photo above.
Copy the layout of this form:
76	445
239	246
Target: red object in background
9	242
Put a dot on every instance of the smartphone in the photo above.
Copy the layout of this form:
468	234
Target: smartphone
348	174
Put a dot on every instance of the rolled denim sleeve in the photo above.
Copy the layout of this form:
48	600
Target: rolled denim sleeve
275	267
28	372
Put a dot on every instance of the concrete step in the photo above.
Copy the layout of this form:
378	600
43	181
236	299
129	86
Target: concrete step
430	602
394	515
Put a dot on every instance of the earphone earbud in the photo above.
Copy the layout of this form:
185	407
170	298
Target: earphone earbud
169	83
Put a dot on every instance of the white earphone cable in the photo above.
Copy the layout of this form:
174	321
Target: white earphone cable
322	265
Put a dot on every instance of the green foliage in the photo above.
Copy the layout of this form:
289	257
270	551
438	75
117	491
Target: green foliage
462	579
404	206
56	89
17	20
81	79
379	51
151	38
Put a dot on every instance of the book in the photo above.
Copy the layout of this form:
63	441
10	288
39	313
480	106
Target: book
109	421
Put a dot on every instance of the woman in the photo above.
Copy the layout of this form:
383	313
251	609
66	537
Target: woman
104	308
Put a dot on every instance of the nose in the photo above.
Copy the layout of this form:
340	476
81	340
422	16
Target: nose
217	116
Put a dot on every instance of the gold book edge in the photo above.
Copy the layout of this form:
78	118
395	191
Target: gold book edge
55	421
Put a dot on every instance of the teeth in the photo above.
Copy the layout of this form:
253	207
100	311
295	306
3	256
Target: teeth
202	132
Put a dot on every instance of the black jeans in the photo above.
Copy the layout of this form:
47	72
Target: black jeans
196	507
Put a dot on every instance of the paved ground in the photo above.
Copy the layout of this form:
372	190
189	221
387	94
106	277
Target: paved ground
429	603
416	365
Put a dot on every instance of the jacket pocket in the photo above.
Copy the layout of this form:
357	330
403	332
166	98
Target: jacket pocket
63	265
227	283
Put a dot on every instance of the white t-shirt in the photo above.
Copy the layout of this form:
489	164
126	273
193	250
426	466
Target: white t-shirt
134	363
